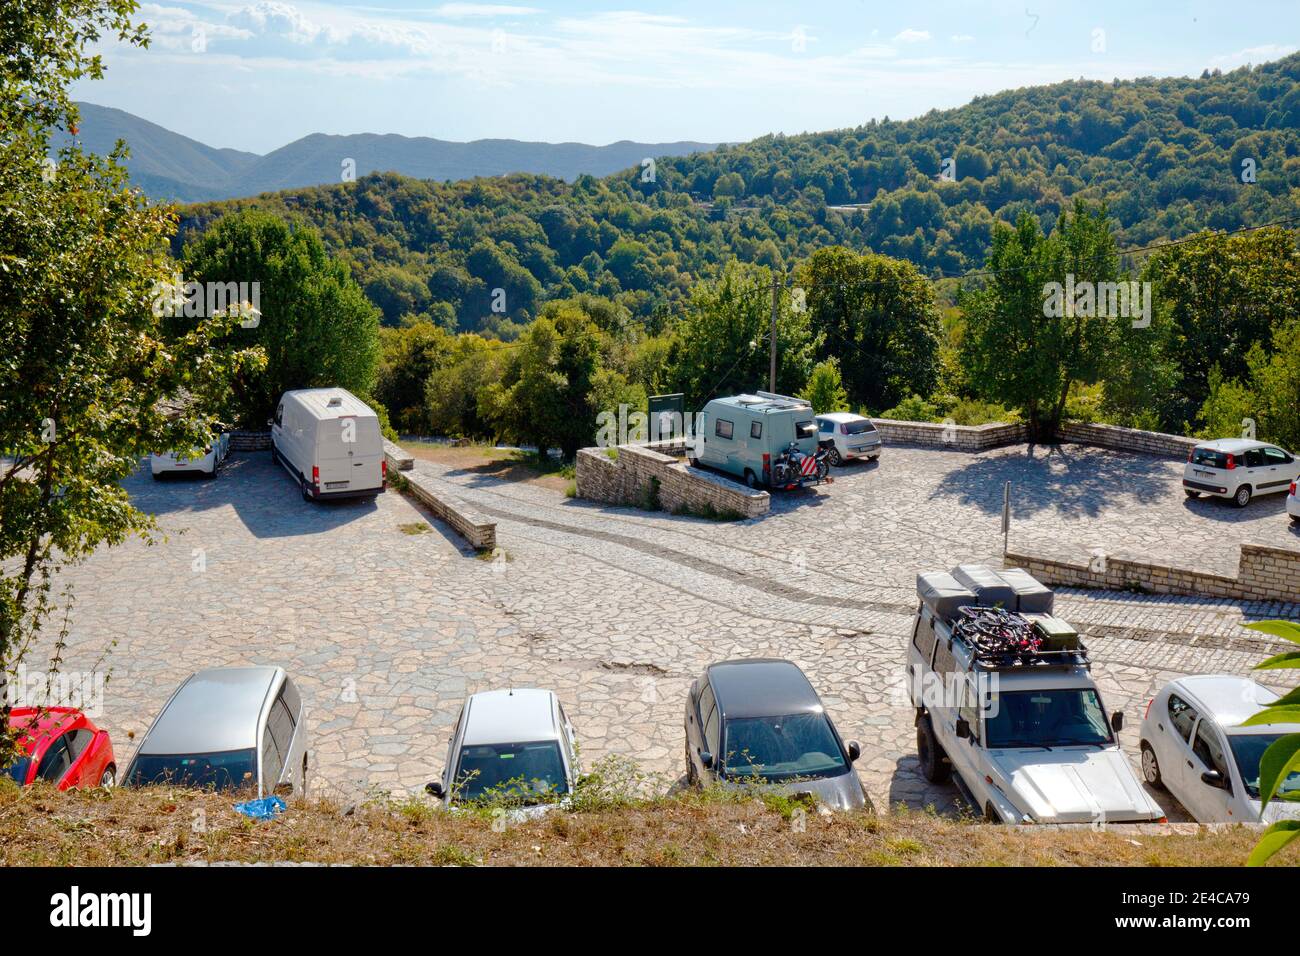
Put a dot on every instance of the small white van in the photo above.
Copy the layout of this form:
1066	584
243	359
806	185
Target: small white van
328	440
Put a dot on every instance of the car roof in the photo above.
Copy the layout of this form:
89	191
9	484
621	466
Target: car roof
515	716
1233	444
36	727
1226	698
318	401
214	710
842	417
762	687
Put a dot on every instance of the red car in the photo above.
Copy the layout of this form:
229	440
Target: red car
61	745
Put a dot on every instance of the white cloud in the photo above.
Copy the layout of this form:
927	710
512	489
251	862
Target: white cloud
961	38
459	10
1254	54
912	36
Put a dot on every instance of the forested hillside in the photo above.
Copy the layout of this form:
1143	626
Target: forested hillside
1167	156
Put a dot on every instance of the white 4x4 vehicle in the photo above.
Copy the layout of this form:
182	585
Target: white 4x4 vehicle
1004	696
1238	468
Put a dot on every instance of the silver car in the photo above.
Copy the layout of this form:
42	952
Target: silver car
760	721
225	729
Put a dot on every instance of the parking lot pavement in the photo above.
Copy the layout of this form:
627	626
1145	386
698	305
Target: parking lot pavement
618	610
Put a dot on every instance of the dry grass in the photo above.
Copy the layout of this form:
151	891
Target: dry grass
493	462
40	826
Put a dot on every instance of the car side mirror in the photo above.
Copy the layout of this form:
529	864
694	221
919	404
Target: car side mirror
706	759
855	750
1117	721
1213	778
270	422
963	728
434	789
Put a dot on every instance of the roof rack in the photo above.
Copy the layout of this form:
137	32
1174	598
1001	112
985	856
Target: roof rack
1002	640
790	399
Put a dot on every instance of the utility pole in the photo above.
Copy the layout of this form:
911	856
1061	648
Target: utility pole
776	292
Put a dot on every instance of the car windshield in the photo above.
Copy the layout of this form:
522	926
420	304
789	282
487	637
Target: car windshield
1209	458
858	427
778	748
1247	749
224	770
18	769
1046	718
531	773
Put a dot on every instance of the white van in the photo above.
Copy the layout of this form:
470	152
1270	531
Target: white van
328	441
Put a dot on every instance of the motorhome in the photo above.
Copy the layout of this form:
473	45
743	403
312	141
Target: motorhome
328	440
744	434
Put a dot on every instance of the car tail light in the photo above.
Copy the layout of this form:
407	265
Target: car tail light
1191	452
1232	463
1147	713
767	464
383	470
1292	491
315	475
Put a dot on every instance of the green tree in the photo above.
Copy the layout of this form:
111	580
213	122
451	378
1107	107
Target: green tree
878	316
87	371
1026	340
825	391
317	328
458	389
1280	762
409	356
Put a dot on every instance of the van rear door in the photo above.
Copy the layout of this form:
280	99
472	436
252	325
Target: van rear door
349	453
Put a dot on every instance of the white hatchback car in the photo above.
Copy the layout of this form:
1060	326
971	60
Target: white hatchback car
516	744
849	435
1194	746
207	464
1238	468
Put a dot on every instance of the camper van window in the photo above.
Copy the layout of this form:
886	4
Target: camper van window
755	429
804	430
722	428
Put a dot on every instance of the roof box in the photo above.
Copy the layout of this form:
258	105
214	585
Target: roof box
943	594
1032	596
989	589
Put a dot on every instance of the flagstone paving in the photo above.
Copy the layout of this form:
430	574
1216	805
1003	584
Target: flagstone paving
618	610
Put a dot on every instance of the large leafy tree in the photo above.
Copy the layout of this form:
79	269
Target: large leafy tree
87	373
1279	764
317	328
1013	351
877	315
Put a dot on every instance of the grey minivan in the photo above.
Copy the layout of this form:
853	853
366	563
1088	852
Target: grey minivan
760	720
227	728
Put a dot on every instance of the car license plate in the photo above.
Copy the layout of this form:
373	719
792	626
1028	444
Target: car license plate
336	484
1203	474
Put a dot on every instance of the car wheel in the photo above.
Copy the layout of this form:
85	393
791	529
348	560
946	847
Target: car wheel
109	777
751	479
1295	519
835	458
306	490
1151	767
934	764
690	767
1242	497
1190	493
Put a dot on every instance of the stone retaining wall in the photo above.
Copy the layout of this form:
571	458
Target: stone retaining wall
640	475
439	498
1127	439
1263	574
250	441
955	437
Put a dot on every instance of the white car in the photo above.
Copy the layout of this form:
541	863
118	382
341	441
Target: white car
171	462
1293	504
1194	746
850	436
514	744
1238	468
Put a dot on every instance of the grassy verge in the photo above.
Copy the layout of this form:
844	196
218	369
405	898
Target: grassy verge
504	463
40	826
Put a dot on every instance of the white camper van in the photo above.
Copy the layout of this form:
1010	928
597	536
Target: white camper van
329	442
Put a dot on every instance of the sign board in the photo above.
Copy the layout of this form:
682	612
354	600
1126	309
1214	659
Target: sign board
667	416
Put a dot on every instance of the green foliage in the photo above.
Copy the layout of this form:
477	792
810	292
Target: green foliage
1282	757
825	391
317	328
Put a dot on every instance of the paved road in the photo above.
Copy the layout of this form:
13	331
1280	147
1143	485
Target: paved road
619	609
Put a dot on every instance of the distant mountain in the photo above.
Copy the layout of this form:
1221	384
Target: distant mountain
167	165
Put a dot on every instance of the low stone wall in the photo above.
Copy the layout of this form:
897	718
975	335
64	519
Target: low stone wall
439	498
1127	439
250	441
954	437
1263	574
641	474
399	459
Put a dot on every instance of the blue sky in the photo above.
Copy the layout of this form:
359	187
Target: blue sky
256	75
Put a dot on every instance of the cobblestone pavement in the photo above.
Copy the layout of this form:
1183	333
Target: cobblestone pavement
618	610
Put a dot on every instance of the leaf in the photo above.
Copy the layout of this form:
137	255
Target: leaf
1273	839
1291	698
1281	757
1287	630
1278	661
1290	714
